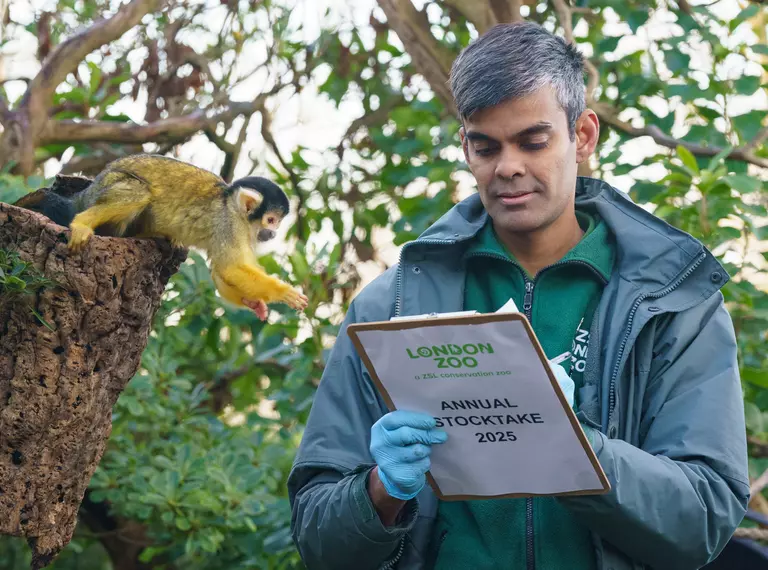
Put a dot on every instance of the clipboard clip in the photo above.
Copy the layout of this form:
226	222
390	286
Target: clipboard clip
435	316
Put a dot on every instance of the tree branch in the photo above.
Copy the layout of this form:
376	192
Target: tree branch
432	60
565	16
751	533
610	116
123	540
488	13
759	484
507	10
65	59
5	110
759	447
162	130
68	54
231	151
220	142
266	133
219	388
759	139
378	116
479	13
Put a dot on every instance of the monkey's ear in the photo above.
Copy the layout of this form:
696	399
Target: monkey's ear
248	200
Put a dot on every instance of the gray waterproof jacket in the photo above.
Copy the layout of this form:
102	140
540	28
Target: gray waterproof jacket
661	385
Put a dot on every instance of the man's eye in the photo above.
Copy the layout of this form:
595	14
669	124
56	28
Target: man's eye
530	145
485	150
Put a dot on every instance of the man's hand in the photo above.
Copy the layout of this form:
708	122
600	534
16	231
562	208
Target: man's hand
401	443
565	381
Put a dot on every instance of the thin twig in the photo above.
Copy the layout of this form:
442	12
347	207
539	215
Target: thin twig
378	116
5	110
564	15
759	139
759	484
752	533
759	447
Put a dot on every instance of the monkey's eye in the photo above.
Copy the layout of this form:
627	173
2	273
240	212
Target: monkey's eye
271	220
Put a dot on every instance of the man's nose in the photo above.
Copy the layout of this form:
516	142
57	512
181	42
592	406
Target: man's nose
511	163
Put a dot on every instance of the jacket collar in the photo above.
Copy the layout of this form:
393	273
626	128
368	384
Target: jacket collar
650	253
595	248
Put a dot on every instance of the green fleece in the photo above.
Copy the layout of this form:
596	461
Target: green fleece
487	534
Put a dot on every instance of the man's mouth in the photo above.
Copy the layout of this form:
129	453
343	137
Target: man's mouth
514	198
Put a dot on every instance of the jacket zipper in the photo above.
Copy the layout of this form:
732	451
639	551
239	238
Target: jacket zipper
666	291
527	308
530	553
391	563
530	559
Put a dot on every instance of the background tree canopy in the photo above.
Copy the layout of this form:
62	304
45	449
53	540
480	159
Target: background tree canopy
346	105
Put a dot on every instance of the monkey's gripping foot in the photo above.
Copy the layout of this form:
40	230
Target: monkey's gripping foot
258	307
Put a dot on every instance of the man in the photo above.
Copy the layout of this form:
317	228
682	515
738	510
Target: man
656	379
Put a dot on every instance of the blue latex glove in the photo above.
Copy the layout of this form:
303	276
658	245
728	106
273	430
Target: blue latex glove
401	442
565	381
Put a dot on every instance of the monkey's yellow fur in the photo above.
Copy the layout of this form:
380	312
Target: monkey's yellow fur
155	196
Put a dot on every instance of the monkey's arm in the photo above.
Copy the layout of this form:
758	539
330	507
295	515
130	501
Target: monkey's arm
241	282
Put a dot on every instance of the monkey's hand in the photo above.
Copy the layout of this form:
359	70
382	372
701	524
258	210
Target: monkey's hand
79	236
245	281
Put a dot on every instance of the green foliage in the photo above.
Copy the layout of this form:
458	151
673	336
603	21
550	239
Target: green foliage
20	279
210	487
17	277
204	435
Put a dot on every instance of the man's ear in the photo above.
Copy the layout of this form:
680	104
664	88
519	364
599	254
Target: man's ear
248	200
587	133
464	143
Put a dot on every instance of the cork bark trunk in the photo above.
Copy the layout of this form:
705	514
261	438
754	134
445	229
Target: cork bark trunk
57	388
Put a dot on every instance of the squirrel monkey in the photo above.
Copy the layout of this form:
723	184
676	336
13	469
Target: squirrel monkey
149	196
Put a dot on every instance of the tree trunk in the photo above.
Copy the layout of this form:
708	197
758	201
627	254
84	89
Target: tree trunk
58	387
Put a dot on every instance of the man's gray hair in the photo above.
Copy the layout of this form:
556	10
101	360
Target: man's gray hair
515	60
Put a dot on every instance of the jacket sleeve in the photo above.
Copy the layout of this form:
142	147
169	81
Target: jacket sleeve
333	523
677	498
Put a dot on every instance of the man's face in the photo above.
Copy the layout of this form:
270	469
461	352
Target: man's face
524	161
